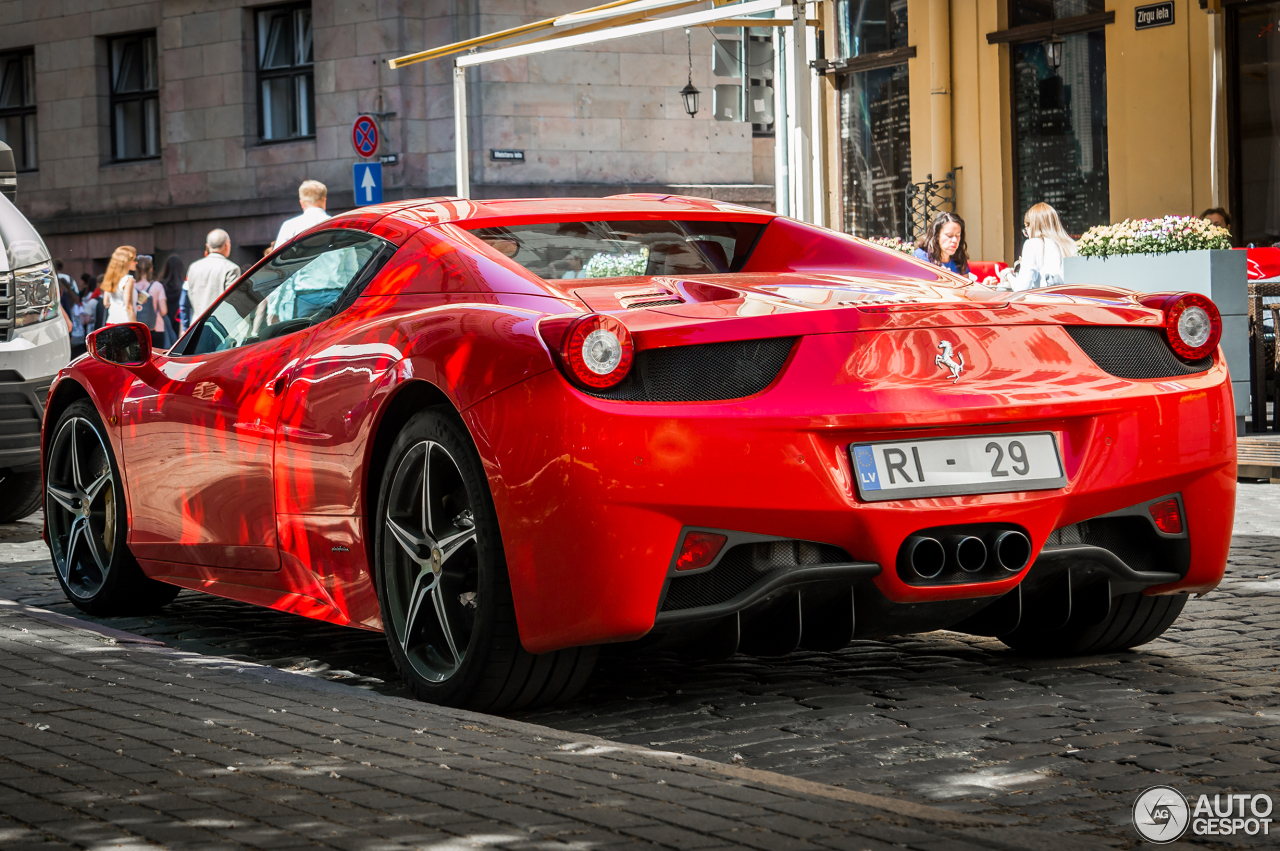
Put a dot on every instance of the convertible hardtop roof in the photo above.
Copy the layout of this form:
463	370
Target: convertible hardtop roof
434	211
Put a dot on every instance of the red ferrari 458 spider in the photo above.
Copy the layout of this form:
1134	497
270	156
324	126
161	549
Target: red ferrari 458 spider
508	432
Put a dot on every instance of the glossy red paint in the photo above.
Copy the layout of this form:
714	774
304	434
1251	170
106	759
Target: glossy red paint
250	473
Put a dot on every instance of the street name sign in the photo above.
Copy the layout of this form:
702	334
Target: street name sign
1154	15
508	156
367	179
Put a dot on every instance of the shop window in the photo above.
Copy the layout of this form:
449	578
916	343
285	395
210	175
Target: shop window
18	106
286	82
875	141
1024	12
135	97
875	115
1254	105
745	55
869	26
1060	131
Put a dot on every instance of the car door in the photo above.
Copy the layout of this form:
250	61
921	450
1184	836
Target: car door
199	446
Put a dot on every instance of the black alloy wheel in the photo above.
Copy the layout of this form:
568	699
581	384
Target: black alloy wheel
442	581
87	520
429	547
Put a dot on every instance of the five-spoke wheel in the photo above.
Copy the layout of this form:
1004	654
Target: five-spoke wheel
442	579
86	517
79	506
430	551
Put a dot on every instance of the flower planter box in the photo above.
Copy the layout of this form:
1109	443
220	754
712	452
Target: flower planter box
1221	275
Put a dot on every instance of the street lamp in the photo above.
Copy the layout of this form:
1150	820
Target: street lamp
690	92
1053	52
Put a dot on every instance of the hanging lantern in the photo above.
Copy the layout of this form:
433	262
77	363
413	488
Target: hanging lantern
690	94
1053	52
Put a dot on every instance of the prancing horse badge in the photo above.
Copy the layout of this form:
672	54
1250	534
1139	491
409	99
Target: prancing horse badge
945	361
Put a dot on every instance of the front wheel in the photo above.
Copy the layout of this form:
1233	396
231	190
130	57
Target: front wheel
1133	619
86	516
442	580
19	495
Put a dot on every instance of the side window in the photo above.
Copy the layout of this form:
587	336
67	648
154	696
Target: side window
301	286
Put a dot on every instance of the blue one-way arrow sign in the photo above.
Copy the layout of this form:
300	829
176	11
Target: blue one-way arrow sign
367	179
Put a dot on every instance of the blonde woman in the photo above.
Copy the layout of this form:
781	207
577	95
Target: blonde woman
1048	245
117	285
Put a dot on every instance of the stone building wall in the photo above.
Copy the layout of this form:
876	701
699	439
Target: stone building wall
592	121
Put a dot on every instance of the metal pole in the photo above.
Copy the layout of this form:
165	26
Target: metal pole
781	127
461	154
800	123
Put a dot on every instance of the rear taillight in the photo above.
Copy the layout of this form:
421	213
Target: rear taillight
597	351
1192	324
1167	517
699	550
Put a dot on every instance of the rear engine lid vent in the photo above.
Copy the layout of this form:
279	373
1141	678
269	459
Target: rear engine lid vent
1128	351
648	297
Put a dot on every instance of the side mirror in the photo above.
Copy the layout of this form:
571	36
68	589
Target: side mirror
127	344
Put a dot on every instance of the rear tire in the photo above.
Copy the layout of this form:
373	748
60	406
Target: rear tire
87	522
1134	619
19	496
443	588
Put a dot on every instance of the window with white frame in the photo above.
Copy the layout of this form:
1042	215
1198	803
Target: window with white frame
135	97
18	106
286	81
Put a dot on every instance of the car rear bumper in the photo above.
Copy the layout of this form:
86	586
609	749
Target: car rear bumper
593	495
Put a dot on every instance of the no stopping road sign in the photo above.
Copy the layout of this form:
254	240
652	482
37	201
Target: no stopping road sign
364	136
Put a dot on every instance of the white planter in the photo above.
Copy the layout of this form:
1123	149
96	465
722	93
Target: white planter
1222	275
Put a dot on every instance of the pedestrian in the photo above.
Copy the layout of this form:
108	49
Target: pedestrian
209	277
1217	216
90	304
1044	253
67	296
73	305
312	197
172	274
117	285
944	245
152	306
1221	218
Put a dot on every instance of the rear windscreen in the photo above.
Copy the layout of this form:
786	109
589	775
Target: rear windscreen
557	250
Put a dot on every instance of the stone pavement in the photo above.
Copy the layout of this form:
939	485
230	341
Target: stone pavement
950	720
109	741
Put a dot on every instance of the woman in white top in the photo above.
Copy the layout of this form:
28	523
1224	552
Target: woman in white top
117	285
1043	254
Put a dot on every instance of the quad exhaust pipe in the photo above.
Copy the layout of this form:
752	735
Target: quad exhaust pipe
927	557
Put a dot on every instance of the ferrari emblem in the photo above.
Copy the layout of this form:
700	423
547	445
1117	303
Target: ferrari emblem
945	361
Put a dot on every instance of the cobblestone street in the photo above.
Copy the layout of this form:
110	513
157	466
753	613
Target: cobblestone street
941	719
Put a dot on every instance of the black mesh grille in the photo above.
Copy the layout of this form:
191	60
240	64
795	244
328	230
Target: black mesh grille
7	307
1129	352
632	305
744	566
19	417
705	373
1131	539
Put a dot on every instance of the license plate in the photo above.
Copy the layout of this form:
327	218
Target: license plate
950	466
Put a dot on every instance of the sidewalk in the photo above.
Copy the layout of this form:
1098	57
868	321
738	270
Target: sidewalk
109	740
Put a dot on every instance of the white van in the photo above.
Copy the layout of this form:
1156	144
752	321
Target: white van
34	345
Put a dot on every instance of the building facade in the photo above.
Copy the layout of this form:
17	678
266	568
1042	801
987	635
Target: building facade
1106	109
148	123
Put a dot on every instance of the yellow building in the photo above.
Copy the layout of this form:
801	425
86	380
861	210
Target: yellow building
1103	108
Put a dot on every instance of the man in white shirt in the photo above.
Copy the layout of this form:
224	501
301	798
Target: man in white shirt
312	196
208	278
